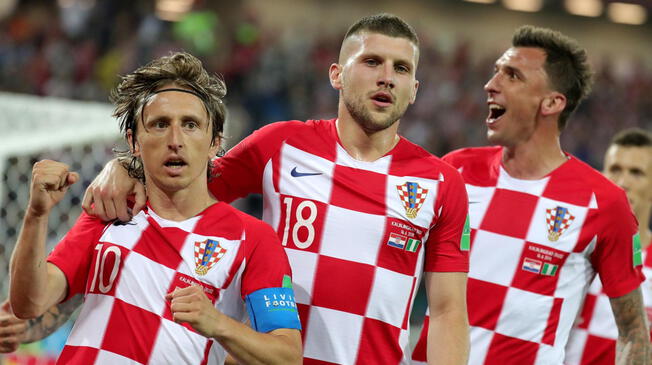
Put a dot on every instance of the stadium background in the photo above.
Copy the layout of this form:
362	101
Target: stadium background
59	59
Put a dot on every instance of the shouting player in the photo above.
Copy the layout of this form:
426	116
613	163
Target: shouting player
542	222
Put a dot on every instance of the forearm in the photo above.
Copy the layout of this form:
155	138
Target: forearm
633	345
28	289
247	346
448	338
43	326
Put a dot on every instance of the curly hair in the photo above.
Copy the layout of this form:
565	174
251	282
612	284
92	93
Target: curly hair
135	89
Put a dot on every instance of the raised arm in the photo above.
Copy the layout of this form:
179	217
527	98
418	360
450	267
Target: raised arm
448	330
106	197
633	346
37	285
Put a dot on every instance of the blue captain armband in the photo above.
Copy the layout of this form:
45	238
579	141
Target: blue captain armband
273	308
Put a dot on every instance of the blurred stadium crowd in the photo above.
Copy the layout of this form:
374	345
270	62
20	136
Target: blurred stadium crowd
78	52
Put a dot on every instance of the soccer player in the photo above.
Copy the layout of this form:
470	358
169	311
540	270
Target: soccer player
362	212
172	284
628	163
542	222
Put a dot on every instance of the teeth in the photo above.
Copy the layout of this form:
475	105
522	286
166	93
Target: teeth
495	107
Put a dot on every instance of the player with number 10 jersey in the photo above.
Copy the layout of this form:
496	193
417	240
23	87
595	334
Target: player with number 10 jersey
358	234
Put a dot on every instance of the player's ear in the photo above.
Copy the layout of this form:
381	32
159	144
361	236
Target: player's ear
134	147
554	103
335	76
216	144
414	92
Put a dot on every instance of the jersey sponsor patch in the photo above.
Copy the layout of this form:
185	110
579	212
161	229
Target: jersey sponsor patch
412	196
273	308
557	221
207	254
636	248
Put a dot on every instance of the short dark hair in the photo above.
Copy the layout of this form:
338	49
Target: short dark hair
566	64
632	137
385	24
136	88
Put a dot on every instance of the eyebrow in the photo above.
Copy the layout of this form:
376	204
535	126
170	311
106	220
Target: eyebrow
399	61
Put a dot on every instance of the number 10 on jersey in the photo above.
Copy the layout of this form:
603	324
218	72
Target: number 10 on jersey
301	223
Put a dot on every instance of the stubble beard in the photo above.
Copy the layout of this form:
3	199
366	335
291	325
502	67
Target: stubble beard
366	120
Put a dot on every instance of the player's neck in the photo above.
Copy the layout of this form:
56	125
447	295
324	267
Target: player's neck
533	159
181	204
364	146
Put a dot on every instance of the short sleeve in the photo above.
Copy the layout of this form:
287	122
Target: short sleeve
617	258
267	281
447	246
240	171
73	254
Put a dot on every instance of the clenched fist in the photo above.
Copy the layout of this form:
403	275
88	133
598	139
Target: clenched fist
190	305
50	181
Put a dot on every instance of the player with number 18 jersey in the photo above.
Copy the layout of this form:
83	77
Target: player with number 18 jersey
358	234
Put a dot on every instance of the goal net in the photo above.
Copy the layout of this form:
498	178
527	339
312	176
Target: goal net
80	134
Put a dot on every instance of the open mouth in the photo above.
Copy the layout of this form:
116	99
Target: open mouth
495	112
382	98
175	163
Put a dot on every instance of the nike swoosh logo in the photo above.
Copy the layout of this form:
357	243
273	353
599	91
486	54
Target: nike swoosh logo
296	173
473	202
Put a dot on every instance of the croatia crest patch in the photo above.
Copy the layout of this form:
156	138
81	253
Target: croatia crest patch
412	196
207	254
557	221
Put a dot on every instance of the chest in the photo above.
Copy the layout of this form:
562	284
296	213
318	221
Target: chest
142	260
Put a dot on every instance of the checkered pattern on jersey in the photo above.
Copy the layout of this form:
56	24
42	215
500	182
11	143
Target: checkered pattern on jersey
593	337
515	302
125	317
355	254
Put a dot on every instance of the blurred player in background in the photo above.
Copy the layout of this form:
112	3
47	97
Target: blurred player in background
14	331
171	284
628	163
361	211
542	222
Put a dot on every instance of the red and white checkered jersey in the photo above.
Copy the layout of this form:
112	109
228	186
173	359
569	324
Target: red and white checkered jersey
593	337
125	271
535	247
358	234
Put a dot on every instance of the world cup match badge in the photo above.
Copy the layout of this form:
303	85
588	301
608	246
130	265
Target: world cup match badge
207	254
557	221
412	196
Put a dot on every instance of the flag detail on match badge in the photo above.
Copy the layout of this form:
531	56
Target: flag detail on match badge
397	240
557	221
530	265
412	245
636	246
549	269
207	254
412	196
